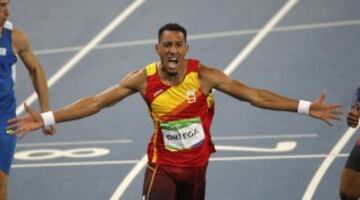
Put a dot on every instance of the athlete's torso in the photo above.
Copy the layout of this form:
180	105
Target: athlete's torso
7	74
182	116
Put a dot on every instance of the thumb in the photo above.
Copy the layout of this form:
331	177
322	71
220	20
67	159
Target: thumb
28	109
323	95
31	112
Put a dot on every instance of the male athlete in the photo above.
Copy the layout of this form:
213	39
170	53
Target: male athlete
177	91
350	178
13	43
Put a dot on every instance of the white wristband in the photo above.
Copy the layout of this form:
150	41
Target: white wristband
48	118
304	107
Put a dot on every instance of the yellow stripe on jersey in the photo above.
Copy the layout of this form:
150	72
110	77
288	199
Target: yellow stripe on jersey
151	69
169	100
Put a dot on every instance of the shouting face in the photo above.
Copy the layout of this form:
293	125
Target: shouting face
172	49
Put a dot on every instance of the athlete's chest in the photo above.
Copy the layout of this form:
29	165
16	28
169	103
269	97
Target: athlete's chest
185	99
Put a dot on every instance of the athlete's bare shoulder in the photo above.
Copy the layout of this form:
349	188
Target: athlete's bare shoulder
211	77
20	41
135	80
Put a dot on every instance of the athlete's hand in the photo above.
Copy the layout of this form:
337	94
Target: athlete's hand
353	116
49	131
326	112
26	123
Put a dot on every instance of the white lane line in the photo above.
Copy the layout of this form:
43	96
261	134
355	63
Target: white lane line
85	50
282	157
259	137
280	147
317	26
234	64
311	188
73	143
207	36
250	137
260	36
72	164
129	178
137	169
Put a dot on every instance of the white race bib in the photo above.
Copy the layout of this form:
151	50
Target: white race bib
182	134
2	52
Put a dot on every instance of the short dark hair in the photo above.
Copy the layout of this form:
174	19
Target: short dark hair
171	27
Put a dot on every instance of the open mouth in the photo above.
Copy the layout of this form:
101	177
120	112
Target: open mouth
173	62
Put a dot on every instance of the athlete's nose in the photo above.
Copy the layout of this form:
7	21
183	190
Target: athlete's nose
173	49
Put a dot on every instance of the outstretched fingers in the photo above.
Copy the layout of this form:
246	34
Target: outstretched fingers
322	96
24	124
328	122
336	111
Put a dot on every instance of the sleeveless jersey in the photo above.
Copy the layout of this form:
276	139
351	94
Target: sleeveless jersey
7	74
182	116
7	98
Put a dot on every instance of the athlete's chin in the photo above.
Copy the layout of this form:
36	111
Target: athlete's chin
172	72
172	69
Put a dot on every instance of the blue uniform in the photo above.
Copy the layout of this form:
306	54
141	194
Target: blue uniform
7	97
353	161
356	98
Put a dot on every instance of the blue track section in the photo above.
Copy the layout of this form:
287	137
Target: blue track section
314	47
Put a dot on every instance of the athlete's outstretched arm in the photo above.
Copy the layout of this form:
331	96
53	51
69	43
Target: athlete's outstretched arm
22	47
84	107
213	78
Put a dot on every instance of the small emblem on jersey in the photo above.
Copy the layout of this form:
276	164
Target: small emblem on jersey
191	96
2	52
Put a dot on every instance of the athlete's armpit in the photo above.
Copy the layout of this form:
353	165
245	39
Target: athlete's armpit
135	81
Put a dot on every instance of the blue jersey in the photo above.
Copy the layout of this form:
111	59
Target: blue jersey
7	97
356	98
7	74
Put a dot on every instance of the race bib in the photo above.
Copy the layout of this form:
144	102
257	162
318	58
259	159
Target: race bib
182	134
2	52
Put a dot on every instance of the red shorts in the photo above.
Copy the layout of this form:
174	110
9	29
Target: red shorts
164	182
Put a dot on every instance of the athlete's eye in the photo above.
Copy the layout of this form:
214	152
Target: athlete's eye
166	44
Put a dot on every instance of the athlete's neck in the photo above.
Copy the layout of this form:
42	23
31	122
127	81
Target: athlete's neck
173	78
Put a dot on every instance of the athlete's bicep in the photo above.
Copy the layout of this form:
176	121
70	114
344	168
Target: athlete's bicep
214	78
130	84
113	95
23	49
238	90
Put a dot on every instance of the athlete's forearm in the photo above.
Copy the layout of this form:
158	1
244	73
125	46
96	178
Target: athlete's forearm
82	108
40	85
272	101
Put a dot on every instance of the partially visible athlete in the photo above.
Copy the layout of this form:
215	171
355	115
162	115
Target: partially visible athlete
177	91
13	43
350	178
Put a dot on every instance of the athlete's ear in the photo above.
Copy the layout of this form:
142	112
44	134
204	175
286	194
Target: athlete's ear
157	49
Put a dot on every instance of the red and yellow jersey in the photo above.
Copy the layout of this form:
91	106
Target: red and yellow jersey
182	116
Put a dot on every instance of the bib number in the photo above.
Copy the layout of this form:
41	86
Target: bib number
182	134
